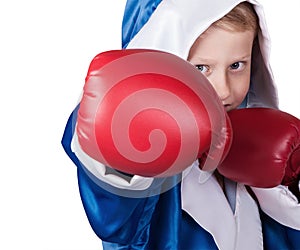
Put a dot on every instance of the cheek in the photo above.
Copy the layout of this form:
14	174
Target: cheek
240	88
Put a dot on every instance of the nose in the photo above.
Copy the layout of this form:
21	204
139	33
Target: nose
220	82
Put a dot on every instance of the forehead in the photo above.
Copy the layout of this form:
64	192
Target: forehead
217	43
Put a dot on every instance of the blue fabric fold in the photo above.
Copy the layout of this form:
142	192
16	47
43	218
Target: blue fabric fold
114	218
278	236
68	135
136	14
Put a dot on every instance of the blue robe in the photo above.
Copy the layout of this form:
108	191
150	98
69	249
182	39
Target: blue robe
154	222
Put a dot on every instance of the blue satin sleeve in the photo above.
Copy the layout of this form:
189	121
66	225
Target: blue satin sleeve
136	14
114	218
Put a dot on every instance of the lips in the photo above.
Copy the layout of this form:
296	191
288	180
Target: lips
227	107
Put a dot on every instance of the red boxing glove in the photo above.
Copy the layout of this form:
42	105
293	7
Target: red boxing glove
265	150
150	113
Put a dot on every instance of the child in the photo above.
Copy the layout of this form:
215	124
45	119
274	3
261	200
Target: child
228	42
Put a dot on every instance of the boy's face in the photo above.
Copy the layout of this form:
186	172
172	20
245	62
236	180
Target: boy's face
224	57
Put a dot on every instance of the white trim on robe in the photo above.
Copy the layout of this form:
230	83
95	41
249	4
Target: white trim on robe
98	170
206	203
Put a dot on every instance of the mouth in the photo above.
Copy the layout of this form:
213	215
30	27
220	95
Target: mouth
227	107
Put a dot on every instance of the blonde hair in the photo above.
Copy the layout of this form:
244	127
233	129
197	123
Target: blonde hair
241	18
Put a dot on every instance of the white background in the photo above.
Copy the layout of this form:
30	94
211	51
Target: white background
45	50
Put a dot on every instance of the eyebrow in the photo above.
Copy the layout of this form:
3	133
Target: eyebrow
243	57
200	60
210	60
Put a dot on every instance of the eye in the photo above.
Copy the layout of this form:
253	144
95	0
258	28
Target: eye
237	66
202	68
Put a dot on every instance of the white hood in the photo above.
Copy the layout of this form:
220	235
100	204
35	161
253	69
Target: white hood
175	25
